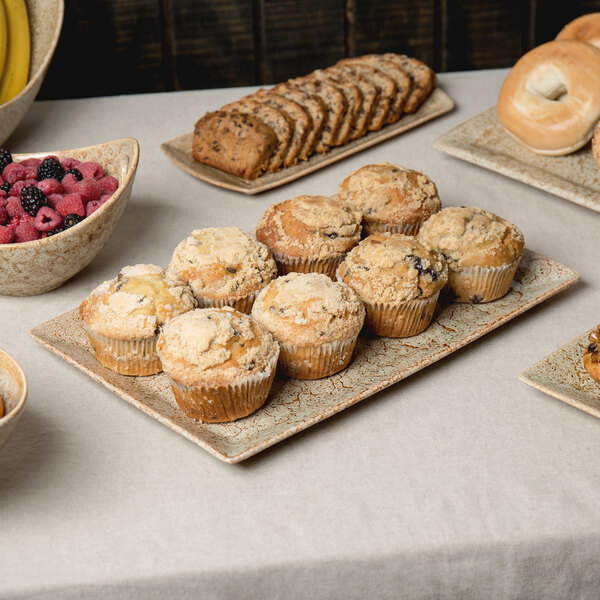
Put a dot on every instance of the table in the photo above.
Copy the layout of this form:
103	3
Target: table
459	482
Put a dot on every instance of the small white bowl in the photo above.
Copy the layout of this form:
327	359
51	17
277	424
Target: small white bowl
13	391
45	22
31	268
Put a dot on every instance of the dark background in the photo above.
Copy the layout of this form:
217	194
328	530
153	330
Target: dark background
128	46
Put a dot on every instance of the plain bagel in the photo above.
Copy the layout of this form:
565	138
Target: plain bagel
585	29
550	100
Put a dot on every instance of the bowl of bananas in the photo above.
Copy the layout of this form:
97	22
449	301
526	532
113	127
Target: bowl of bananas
29	32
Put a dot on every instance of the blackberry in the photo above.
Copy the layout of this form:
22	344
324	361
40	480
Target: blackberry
75	172
71	220
55	230
5	158
50	168
32	199
6	187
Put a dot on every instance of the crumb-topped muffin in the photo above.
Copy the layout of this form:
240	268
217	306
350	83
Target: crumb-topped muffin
123	317
315	320
390	198
482	250
399	279
221	364
309	234
223	267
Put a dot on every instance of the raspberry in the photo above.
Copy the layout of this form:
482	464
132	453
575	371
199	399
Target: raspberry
108	185
70	163
14	207
71	204
31	162
32	200
20	220
76	173
3	194
89	189
31	173
54	199
7	235
71	220
49	186
3	200
69	182
3	215
14	172
50	168
92	170
26	233
46	219
16	189
5	158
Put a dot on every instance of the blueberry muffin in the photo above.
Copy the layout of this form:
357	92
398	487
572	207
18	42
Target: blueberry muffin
123	316
315	320
399	280
223	267
483	251
309	234
390	198
221	364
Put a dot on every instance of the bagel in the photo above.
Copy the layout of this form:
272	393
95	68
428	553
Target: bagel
550	99
585	29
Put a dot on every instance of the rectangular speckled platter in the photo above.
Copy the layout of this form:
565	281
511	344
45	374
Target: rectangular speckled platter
179	150
482	141
563	376
295	405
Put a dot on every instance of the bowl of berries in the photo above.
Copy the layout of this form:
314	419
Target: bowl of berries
57	211
29	33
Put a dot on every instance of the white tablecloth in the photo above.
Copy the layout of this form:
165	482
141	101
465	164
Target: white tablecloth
459	482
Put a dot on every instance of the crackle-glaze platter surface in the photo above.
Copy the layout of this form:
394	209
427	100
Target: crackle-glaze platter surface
482	141
295	405
179	150
563	376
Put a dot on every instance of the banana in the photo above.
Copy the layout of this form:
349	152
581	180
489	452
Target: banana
3	38
16	68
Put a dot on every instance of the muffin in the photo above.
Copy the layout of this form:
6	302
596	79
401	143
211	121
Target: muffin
223	267
123	316
220	363
390	198
591	356
309	234
315	320
482	250
399	279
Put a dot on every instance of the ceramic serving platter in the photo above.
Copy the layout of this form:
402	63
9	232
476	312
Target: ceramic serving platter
295	405
563	376
179	151
483	141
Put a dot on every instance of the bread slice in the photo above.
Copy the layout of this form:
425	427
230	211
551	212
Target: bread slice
313	104
423	78
401	79
298	149
275	119
384	84
234	142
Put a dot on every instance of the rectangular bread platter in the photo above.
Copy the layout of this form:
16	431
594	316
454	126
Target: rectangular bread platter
563	376
179	150
483	141
294	405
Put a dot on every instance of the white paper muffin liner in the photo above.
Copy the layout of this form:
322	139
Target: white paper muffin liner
127	357
294	264
370	228
224	403
480	284
241	303
314	362
400	319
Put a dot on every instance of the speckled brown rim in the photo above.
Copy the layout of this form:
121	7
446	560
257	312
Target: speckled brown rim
9	416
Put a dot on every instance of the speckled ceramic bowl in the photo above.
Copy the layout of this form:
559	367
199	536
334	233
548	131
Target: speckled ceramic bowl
36	267
45	20
13	391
